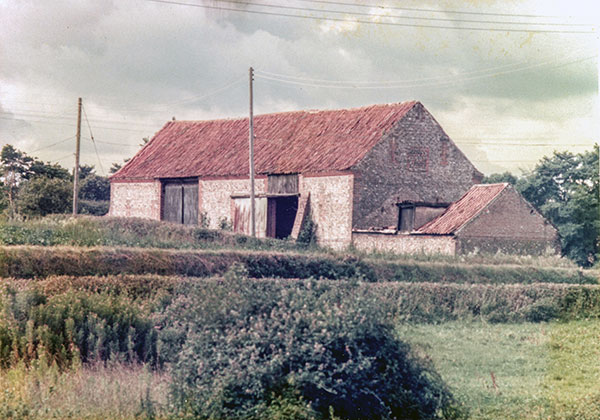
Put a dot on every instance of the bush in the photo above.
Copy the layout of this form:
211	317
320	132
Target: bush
312	348
95	188
94	208
41	196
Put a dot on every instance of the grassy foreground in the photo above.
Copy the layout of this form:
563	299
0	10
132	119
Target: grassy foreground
93	392
498	371
517	371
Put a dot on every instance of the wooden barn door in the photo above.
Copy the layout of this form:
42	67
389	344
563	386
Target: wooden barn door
190	203
180	201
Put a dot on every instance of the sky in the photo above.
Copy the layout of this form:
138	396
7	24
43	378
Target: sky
509	81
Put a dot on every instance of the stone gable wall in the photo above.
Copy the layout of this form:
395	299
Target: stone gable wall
416	161
509	225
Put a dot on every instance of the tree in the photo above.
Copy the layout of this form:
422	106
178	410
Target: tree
15	168
503	177
114	168
95	187
86	170
41	196
49	170
17	173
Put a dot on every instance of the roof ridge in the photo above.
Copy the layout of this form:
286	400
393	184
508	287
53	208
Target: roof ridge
325	140
299	111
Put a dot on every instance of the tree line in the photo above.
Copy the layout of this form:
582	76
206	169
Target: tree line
30	187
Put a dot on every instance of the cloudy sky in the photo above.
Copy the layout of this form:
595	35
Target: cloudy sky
509	81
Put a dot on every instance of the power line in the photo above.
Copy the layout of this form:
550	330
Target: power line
413	9
117	144
53	144
61	158
452	76
93	141
259	75
73	124
44	114
370	22
388	16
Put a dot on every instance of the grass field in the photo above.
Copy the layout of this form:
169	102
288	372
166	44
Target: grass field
516	371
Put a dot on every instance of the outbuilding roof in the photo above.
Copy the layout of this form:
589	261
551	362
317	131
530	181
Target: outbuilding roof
461	212
288	142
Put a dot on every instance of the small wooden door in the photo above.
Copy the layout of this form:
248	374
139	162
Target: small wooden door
180	201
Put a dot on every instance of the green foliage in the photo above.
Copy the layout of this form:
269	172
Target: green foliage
308	233
131	232
117	391
85	171
48	170
71	327
94	208
95	188
31	261
497	178
41	196
225	224
249	346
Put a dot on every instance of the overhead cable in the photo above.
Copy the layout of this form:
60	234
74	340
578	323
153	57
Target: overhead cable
53	144
414	9
389	16
93	141
370	22
383	85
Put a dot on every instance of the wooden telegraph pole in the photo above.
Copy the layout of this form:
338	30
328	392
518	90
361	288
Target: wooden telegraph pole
76	169
251	141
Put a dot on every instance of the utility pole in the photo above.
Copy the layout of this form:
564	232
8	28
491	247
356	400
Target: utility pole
76	169
251	141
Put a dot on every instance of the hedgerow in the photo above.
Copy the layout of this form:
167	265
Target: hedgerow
32	261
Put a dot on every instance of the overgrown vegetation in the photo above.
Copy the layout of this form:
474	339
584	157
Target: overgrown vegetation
69	320
116	391
39	261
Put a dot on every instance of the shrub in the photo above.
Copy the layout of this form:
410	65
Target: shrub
310	347
41	196
95	208
72	327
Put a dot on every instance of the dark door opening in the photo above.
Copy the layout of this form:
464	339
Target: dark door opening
281	214
180	201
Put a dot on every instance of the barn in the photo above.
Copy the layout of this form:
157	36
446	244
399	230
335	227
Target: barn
380	168
488	218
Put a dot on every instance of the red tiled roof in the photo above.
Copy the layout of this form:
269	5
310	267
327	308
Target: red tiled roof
289	142
462	211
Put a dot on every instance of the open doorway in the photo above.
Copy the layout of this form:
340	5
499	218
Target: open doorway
281	213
